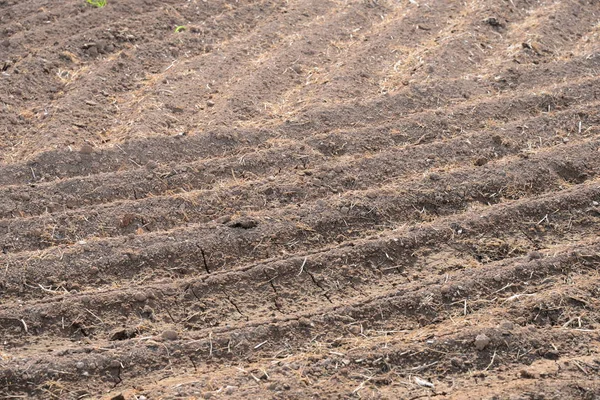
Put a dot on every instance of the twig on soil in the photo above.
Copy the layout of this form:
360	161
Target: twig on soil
204	259
504	288
94	315
362	385
48	290
516	296
302	267
491	362
246	372
423	382
424	366
578	319
260	344
580	367
24	326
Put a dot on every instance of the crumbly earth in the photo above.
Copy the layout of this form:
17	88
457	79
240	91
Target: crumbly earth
301	199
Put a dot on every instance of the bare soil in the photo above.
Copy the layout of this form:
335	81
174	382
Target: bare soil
303	199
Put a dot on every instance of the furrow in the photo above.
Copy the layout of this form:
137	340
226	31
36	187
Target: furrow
63	164
140	183
422	197
294	283
238	343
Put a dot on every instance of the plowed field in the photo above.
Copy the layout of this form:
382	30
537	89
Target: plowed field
391	199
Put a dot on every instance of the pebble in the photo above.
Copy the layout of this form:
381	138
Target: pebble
481	342
230	389
139	296
170	335
507	325
223	220
86	149
93	51
480	161
244	223
151	165
528	374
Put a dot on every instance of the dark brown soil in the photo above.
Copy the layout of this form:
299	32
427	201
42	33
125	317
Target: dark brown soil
386	199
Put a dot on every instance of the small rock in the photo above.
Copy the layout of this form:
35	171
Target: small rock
493	21
507	325
223	220
115	364
230	389
535	255
80	365
86	149
121	334
481	342
210	103
152	165
244	223
480	161
139	296
147	312
595	203
170	335
92	51
527	374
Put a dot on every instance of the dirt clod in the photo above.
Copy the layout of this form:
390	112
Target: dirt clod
86	149
140	296
244	223
170	335
482	341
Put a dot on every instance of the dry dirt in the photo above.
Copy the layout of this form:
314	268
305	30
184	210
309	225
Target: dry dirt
300	199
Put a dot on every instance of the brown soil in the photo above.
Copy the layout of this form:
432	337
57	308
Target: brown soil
386	199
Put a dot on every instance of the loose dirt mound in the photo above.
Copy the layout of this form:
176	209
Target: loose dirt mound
300	199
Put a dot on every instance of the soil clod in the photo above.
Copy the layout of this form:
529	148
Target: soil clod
482	341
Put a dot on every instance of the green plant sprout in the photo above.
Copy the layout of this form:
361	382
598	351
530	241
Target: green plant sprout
97	3
180	28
